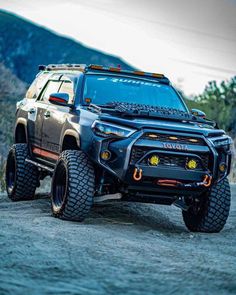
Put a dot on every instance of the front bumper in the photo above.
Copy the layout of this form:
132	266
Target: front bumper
173	154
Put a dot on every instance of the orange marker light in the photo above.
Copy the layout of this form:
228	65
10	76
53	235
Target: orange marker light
139	73
88	100
193	140
152	135
96	67
157	75
114	69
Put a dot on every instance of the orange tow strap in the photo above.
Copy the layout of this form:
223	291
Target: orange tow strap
168	182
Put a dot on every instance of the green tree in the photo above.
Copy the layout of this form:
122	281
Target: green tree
218	101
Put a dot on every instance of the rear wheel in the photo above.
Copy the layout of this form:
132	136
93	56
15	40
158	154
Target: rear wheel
72	186
22	178
211	213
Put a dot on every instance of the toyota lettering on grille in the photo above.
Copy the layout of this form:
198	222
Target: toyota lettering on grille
175	146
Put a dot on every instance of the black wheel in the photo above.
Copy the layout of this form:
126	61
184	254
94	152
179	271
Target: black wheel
72	186
210	214
22	178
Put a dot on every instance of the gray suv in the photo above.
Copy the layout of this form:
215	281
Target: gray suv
111	134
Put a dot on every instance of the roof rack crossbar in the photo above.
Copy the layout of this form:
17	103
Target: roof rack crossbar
55	67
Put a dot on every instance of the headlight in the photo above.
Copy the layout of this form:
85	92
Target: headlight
111	130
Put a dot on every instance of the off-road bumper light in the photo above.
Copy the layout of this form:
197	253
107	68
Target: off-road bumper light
191	164
105	155
222	167
154	160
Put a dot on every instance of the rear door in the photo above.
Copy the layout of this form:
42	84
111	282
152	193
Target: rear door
41	114
56	118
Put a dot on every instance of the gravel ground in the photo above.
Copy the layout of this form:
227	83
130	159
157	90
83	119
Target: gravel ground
120	249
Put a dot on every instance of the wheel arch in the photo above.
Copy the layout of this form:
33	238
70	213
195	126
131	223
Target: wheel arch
70	140
21	134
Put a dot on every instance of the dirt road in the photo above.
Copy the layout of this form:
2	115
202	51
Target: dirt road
121	249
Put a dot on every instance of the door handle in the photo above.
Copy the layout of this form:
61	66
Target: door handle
47	114
32	110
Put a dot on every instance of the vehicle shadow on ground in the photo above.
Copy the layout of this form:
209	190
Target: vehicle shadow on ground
125	213
137	214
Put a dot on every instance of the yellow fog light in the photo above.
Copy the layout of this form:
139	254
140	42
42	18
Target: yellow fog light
192	164
154	160
222	167
105	155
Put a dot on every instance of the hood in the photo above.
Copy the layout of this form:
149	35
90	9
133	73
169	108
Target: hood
153	123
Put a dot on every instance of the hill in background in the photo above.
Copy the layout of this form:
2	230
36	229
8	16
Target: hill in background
24	45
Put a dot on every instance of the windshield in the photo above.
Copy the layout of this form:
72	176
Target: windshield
100	90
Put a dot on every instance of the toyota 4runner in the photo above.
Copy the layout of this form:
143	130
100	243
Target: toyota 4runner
111	134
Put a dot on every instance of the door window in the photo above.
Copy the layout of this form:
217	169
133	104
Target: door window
67	87
52	87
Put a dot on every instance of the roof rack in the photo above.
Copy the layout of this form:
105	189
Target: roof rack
118	69
85	68
59	67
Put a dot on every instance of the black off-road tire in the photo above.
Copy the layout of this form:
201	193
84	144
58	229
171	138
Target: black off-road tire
22	178
72	186
213	212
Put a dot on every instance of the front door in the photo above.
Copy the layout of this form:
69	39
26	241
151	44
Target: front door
56	119
41	114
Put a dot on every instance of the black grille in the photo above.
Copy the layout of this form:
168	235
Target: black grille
137	154
174	138
168	160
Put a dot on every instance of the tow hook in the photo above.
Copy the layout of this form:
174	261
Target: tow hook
207	180
138	173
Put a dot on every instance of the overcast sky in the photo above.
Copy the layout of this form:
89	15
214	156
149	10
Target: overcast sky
191	41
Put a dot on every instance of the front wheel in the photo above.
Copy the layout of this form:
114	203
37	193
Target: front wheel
72	186
211	213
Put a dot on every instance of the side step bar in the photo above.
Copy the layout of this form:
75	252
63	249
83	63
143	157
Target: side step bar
104	198
50	170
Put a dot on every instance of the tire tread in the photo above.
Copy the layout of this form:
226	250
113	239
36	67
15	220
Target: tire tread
80	192
27	175
214	215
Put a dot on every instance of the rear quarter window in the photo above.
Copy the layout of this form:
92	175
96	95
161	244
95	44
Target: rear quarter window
36	86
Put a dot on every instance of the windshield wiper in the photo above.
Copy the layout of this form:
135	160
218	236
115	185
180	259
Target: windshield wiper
99	108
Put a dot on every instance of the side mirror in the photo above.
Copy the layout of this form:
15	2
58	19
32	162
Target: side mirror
59	99
198	113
